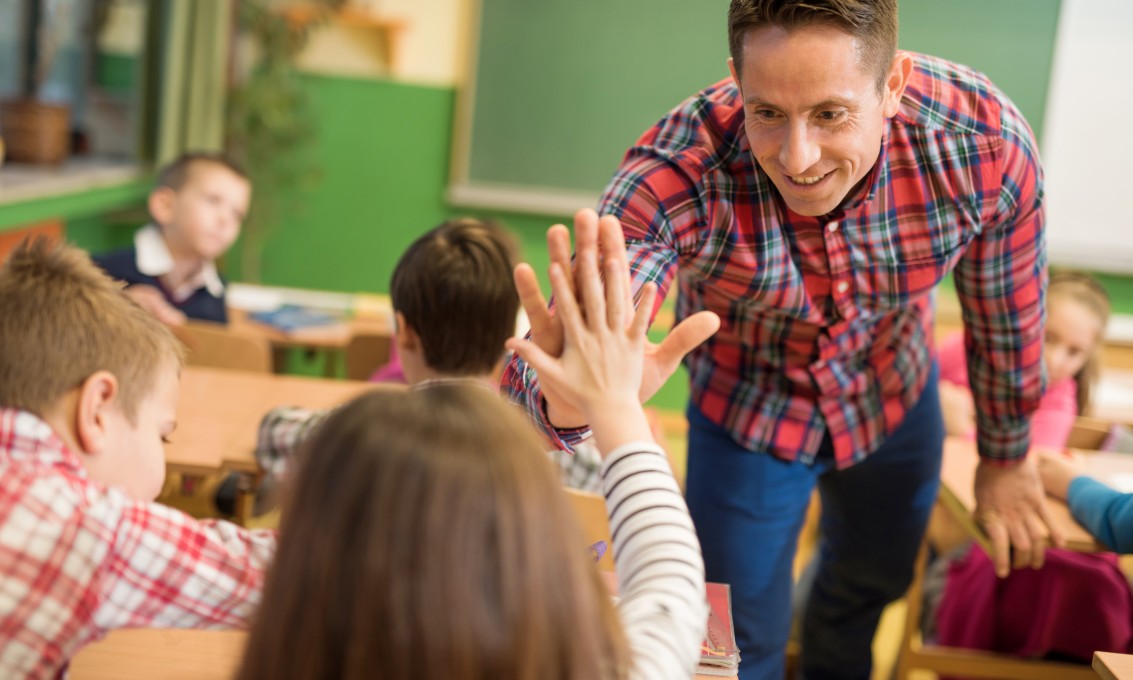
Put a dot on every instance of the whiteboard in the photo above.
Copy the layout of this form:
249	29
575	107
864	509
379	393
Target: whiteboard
1087	146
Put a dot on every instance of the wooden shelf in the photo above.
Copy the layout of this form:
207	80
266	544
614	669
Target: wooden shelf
391	29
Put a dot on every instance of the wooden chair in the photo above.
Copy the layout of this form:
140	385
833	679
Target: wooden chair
590	508
217	346
365	353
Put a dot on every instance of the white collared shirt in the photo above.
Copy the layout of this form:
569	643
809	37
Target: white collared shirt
154	259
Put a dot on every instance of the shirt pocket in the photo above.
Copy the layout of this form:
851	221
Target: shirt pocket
891	274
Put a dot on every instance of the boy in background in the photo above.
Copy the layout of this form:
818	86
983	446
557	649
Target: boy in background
88	394
197	207
455	306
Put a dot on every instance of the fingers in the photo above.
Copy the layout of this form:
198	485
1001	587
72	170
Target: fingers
1021	545
589	284
640	324
1000	543
617	298
549	370
686	335
570	316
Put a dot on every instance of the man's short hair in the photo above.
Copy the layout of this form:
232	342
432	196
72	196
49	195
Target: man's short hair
454	287
176	173
872	22
63	320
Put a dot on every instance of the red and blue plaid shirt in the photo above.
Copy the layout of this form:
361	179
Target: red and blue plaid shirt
79	559
827	321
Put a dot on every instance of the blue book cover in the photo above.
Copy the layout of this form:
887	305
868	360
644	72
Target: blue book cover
289	318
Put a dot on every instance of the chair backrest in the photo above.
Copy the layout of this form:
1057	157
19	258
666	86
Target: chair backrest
1088	433
217	346
590	509
365	353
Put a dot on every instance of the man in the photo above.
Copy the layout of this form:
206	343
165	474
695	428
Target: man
814	201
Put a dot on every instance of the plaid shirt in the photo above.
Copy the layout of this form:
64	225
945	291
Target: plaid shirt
826	322
282	429
78	559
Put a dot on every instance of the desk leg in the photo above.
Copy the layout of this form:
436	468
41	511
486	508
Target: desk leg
245	498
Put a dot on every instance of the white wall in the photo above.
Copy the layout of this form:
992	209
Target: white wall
1087	145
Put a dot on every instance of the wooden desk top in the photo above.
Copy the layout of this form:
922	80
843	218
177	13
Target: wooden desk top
220	410
957	477
336	336
142	654
1113	666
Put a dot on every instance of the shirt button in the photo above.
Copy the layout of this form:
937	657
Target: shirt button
832	227
842	286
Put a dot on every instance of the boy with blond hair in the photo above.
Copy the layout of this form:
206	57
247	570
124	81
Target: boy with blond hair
88	394
197	207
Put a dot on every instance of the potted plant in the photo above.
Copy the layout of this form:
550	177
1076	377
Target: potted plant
36	131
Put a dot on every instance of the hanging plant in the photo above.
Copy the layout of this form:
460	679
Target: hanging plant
271	128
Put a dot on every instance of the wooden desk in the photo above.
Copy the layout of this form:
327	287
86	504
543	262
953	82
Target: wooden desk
1113	666
220	410
166	655
1113	397
956	493
957	478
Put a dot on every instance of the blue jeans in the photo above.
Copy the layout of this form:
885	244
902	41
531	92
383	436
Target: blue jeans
748	508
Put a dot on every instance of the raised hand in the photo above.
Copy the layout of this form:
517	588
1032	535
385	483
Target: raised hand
603	239
598	372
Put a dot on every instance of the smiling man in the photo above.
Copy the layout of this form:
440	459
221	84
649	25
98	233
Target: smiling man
814	201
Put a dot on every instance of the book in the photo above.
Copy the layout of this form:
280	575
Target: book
718	653
291	318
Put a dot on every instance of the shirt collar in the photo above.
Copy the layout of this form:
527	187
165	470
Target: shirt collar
29	439
154	259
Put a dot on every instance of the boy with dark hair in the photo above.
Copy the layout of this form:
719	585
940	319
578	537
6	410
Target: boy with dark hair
455	306
88	394
197	207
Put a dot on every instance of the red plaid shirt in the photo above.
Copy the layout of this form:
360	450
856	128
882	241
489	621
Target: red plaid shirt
78	559
827	321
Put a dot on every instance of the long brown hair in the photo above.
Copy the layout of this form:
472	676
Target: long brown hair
427	537
1088	292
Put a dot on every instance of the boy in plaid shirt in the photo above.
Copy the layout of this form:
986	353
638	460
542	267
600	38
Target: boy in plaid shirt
88	394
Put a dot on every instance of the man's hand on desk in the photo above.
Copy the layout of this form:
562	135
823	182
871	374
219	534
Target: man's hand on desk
604	237
1011	508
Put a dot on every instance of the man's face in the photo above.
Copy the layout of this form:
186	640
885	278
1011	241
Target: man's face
813	115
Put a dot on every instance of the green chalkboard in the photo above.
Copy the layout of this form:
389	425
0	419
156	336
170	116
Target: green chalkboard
562	89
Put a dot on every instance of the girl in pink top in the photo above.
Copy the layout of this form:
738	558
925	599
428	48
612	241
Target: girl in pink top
1077	312
1076	603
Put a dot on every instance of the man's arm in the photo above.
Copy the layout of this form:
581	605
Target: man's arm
1001	282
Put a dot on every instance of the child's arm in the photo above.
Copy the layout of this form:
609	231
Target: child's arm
282	430
1105	512
660	570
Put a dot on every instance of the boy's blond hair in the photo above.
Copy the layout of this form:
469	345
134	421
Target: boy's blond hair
62	319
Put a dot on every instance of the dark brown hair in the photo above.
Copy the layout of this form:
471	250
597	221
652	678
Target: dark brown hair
1088	292
176	173
454	287
62	319
427	537
872	22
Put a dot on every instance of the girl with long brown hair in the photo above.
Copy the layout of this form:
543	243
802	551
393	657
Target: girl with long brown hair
443	547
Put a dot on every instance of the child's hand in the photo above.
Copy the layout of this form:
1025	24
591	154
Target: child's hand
1057	471
600	369
604	237
958	408
151	300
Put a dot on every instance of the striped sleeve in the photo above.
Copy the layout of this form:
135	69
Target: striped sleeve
659	566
